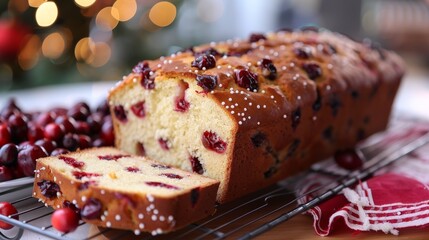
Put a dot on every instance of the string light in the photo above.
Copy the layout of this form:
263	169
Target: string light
162	13
46	14
29	55
35	3
107	18
84	3
126	9
53	45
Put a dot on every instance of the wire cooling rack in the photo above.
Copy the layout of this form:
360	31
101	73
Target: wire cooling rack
244	219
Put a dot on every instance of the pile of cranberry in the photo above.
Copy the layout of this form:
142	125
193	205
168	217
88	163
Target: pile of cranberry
27	136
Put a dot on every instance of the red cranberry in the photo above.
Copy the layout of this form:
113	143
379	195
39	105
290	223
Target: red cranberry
171	175
132	169
112	157
65	220
94	122
304	53
44	118
162	185
18	127
107	133
6	173
120	114
138	109
79	112
246	79
24	145
255	37
196	165
17	172
207	82
8	154
49	189
80	175
329	49
147	80
313	70
7	209
48	145
5	134
59	151
84	142
213	142
148	83
27	158
209	51
82	128
11	105
348	159
181	104
70	141
72	162
92	209
53	132
103	107
165	145
142	68
66	124
204	62
195	195
34	133
268	69
72	206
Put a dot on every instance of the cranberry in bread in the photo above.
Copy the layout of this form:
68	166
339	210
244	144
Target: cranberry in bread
251	112
111	188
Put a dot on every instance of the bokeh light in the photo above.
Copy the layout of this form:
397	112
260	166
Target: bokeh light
93	53
29	55
35	3
162	13
46	14
84	3
107	18
54	45
126	9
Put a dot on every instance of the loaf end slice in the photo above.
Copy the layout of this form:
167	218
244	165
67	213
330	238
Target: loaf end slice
116	190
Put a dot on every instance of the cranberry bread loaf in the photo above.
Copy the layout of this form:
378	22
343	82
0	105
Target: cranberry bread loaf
114	189
251	112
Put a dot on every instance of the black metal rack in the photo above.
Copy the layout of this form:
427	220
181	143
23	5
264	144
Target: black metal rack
253	215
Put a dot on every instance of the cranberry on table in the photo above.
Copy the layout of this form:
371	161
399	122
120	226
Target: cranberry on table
44	118
67	124
6	173
53	132
27	158
5	135
18	127
65	220
8	154
348	159
7	209
35	133
107	133
48	145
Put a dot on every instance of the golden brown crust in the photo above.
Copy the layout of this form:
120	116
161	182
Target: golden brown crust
328	93
125	209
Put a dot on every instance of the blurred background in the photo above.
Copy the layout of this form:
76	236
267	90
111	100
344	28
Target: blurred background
63	41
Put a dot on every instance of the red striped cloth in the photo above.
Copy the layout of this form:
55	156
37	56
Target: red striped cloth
396	197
